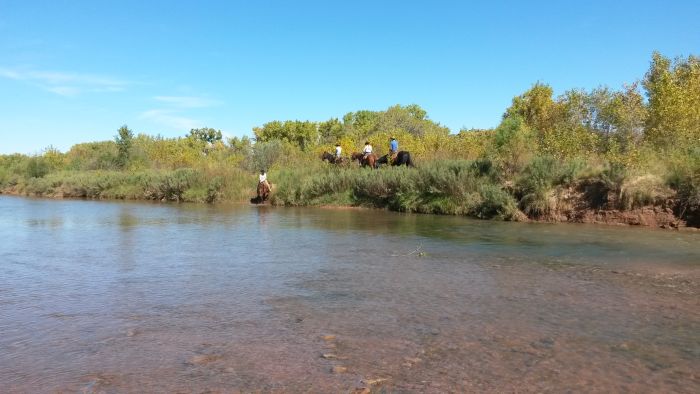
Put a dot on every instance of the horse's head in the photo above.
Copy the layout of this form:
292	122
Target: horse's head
326	156
356	156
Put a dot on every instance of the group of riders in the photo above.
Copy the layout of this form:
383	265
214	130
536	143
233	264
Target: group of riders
365	158
367	150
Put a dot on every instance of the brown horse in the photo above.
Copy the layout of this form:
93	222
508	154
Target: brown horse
370	161
332	159
263	193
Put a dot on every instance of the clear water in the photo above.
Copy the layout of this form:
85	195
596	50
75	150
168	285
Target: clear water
140	297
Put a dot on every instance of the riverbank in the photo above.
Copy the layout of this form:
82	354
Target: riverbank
467	188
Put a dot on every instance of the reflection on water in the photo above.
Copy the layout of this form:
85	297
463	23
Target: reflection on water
134	297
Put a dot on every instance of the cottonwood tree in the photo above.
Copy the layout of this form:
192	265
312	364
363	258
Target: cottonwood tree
124	139
673	90
206	134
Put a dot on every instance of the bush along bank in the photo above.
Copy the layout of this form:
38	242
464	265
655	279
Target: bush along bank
181	185
546	190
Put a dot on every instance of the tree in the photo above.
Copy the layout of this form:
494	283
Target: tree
360	124
206	134
124	139
240	145
300	133
571	131
54	158
673	89
37	167
412	119
331	130
618	116
536	107
512	144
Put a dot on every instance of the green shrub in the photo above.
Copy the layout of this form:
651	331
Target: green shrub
684	177
535	184
36	167
495	203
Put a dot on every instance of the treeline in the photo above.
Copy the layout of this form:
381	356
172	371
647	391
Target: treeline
642	141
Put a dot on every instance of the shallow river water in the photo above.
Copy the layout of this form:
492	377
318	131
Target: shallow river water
140	297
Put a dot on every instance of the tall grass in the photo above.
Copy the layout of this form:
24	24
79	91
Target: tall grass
457	187
684	177
163	185
536	185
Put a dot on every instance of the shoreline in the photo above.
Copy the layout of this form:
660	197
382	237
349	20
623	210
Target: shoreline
646	217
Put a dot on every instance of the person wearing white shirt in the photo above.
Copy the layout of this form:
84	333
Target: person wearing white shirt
263	178
367	150
338	151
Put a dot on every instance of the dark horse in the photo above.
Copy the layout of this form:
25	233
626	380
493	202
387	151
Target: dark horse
402	158
263	193
370	161
332	159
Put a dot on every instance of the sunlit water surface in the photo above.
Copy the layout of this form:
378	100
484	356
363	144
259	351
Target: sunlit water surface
140	297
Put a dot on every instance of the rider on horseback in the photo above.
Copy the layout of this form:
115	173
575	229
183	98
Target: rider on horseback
367	150
393	149
263	179
338	151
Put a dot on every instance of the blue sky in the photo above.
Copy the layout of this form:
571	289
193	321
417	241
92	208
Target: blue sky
75	71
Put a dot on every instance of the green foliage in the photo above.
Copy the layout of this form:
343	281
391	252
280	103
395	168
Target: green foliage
581	123
571	134
123	140
266	154
535	186
331	131
684	177
449	187
673	89
54	159
92	156
206	134
536	107
470	144
618	116
303	134
511	146
177	185
407	122
37	167
242	146
496	203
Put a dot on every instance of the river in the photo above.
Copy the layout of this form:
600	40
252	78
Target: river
145	297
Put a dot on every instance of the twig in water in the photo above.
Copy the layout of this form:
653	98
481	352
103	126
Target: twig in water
417	250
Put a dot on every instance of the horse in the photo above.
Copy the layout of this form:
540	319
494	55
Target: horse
332	159
403	157
370	161
263	193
